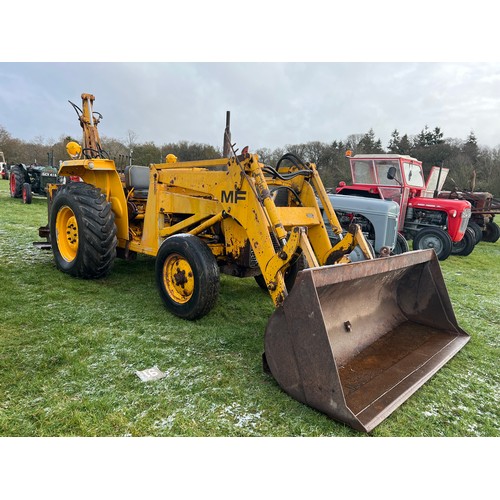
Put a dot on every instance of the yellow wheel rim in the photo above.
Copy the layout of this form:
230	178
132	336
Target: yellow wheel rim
178	278
67	233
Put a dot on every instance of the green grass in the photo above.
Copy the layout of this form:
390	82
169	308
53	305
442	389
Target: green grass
69	350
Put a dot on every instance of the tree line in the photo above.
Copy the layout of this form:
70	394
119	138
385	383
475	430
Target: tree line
472	167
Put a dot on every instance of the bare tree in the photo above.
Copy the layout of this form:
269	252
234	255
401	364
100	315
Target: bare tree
131	139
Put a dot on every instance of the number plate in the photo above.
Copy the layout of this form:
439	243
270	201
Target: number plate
150	374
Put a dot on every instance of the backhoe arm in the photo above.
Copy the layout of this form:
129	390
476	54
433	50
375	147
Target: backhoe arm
89	120
91	140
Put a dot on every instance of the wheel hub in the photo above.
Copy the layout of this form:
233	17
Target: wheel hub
178	278
434	243
67	233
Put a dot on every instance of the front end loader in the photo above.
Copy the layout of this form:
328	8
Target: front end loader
351	339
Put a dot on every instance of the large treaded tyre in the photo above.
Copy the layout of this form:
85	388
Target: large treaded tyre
16	182
433	237
187	276
465	246
82	231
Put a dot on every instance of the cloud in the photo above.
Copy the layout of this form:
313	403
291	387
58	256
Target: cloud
271	104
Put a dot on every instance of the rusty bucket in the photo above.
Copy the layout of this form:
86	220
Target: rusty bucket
354	341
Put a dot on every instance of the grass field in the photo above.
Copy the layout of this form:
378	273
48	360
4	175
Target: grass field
69	350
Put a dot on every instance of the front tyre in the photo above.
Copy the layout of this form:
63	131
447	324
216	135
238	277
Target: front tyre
435	238
401	245
27	195
478	232
82	231
465	246
187	276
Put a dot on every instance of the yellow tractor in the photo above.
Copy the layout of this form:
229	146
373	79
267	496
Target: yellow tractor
351	339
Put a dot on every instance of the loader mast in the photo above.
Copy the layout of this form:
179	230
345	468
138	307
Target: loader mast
89	119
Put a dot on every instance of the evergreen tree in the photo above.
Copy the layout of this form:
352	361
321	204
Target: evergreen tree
437	136
405	146
471	149
394	143
368	144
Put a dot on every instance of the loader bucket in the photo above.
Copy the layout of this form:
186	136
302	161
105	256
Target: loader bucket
354	341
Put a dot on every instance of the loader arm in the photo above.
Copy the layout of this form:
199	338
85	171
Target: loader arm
302	232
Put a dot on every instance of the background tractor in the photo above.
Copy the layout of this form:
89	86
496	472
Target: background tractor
32	179
484	207
378	219
351	339
3	166
430	222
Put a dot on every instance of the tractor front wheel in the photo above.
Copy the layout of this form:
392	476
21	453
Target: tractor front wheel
187	276
478	232
82	231
401	245
433	237
465	246
27	196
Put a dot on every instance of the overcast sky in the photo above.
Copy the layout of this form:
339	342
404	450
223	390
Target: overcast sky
271	104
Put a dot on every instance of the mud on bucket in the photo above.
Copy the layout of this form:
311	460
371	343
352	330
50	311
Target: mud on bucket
354	341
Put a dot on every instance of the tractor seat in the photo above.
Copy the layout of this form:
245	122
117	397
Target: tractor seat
137	177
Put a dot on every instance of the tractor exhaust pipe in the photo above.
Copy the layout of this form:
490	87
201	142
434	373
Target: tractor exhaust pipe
226	145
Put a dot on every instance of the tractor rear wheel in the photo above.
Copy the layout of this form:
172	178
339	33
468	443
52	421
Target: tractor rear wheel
82	231
433	237
27	196
491	233
16	182
466	244
187	276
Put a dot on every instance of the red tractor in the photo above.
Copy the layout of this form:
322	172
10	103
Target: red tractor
484	209
3	166
430	222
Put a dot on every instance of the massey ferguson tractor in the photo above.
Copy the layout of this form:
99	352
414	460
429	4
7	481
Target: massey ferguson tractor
352	339
430	222
484	207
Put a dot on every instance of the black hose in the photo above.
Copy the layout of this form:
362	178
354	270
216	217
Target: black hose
87	152
292	158
76	108
285	177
